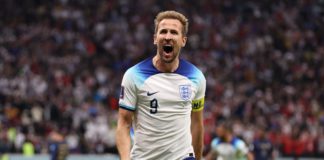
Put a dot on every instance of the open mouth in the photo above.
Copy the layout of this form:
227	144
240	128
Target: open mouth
167	48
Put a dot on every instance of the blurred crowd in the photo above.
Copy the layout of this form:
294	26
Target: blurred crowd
61	64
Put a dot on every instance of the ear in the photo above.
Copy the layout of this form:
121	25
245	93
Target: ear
184	41
154	39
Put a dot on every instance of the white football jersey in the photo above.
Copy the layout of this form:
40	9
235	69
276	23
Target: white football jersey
234	150
162	103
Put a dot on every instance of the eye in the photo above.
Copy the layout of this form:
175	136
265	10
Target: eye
163	31
174	32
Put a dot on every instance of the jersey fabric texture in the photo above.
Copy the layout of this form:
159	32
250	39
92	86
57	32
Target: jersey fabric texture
162	103
234	150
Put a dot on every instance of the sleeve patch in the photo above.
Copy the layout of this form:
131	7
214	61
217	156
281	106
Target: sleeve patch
198	105
121	95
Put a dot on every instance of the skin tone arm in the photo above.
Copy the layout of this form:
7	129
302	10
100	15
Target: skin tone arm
123	140
197	132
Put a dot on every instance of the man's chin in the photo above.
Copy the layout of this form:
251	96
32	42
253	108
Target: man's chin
168	60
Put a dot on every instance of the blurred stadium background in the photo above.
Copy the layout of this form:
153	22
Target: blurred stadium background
61	64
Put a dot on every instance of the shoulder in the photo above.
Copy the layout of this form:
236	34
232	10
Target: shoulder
239	144
140	66
215	142
141	71
189	70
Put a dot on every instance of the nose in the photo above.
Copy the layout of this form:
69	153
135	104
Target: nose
168	36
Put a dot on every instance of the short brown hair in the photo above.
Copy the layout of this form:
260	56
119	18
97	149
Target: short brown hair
172	15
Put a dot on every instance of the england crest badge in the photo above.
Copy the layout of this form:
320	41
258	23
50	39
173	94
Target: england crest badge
185	92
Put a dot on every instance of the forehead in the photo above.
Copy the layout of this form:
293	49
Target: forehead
170	24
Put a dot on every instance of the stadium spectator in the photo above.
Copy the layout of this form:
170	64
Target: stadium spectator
227	146
261	147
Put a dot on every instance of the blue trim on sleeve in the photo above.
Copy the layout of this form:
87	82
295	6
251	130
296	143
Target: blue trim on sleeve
126	107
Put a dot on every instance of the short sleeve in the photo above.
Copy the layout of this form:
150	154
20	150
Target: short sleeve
242	147
128	98
199	99
215	142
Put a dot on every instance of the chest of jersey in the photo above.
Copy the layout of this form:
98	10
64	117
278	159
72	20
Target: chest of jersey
166	92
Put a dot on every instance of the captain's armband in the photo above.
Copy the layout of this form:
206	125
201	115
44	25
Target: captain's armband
198	105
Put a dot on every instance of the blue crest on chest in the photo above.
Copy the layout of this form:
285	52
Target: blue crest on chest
185	92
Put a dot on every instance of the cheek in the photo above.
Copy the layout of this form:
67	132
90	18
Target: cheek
181	43
158	40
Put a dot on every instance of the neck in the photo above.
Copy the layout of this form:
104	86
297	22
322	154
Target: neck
166	67
229	138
